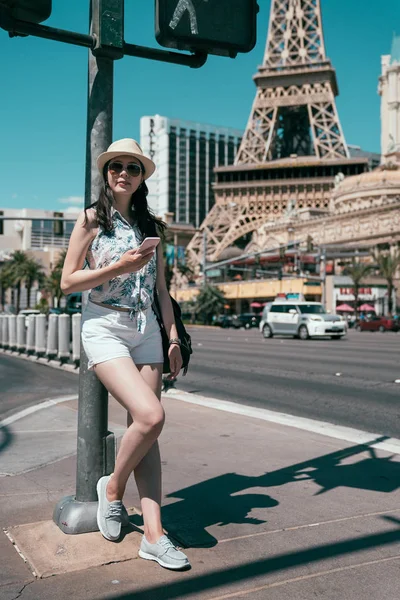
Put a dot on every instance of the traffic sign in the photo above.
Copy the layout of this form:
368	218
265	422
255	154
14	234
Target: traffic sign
26	10
223	27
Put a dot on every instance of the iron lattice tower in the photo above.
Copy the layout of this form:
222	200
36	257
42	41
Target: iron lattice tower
294	111
293	146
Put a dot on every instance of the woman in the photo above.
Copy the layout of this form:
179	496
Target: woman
121	336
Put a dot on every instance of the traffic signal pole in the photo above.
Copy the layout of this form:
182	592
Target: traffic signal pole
95	445
216	34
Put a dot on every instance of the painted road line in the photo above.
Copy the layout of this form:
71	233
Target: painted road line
32	409
338	432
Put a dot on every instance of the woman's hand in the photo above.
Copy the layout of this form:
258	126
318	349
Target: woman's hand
175	361
134	260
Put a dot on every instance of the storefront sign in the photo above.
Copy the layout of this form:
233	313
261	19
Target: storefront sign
350	291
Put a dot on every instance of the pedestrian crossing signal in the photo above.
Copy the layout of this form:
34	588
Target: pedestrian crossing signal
223	27
35	11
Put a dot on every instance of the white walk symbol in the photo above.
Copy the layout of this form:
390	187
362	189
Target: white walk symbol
182	7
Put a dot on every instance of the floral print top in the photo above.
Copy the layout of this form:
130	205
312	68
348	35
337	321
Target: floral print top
130	290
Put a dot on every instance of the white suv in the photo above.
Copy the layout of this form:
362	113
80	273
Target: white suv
301	319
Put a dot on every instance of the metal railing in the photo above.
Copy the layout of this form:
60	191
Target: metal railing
56	337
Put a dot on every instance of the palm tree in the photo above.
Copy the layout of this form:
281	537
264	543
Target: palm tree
5	283
357	271
18	264
33	272
52	285
209	302
60	259
388	265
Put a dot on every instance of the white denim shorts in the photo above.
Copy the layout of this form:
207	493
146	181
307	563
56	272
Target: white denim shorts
109	334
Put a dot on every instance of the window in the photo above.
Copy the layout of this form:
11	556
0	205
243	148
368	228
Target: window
277	308
58	226
288	307
69	227
312	309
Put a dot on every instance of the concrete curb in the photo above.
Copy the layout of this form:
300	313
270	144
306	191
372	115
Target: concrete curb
42	361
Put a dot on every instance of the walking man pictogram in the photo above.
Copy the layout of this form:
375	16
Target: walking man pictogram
182	7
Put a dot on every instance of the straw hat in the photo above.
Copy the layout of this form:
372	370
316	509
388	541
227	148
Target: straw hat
130	147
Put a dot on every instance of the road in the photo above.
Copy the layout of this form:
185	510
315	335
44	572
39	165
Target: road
347	382
24	383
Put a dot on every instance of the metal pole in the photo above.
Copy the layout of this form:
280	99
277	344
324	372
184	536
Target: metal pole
175	261
204	257
96	446
322	274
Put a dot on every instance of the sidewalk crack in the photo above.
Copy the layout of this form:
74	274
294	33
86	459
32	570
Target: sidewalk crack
22	589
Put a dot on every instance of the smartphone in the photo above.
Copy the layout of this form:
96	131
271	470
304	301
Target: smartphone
149	242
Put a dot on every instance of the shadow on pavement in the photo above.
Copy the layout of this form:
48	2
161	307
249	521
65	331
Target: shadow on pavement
220	501
283	562
6	438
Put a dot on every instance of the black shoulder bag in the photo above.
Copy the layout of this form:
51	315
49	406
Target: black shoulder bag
184	337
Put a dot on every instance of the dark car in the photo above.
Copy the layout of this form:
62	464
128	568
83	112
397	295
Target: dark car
223	321
376	323
246	320
74	303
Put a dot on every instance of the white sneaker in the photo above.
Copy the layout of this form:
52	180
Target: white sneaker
109	514
165	553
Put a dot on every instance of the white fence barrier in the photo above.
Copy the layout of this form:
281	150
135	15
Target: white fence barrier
4	332
58	336
76	337
30	334
21	333
64	333
52	337
40	335
12	332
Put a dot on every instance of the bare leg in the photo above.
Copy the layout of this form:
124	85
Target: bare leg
148	471
122	379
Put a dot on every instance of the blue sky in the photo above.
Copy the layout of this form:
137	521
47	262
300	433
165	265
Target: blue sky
43	98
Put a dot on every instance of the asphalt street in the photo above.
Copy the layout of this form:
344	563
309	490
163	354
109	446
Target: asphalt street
24	384
345	382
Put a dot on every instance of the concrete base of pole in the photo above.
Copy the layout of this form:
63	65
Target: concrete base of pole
74	517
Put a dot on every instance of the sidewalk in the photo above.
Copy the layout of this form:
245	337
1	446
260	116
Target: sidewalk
265	511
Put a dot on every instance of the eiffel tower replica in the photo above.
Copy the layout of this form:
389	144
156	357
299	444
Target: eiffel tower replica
293	146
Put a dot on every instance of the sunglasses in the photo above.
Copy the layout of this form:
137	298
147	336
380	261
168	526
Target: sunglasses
115	168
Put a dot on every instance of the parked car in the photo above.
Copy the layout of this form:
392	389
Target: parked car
301	319
246	320
223	321
377	323
74	303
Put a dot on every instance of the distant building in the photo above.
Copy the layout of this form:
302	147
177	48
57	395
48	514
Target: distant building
36	232
374	158
185	153
389	90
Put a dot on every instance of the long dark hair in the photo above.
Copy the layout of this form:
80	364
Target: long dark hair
148	223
